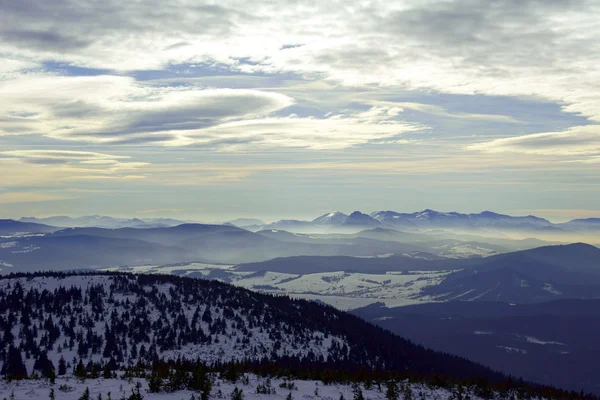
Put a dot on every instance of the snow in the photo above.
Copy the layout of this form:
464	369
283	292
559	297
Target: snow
534	340
513	350
72	389
464	251
229	346
549	288
343	290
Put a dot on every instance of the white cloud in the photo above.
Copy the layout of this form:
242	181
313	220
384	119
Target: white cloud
335	131
50	167
112	109
31	197
545	49
576	141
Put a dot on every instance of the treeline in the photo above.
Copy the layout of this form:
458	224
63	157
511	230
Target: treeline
177	375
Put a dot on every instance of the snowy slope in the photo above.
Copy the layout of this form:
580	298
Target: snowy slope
219	329
222	389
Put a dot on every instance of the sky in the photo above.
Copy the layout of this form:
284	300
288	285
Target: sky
290	109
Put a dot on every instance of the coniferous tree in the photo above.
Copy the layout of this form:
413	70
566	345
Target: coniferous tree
154	382
62	366
392	391
358	394
13	367
80	371
237	394
85	395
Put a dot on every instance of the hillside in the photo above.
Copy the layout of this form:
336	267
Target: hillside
551	343
9	227
119	319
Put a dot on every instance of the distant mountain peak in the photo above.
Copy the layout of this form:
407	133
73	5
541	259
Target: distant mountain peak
361	219
332	218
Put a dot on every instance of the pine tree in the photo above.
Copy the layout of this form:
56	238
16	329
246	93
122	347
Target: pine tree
62	366
13	367
106	373
154	382
80	371
206	389
85	395
358	394
52	395
392	391
135	393
237	394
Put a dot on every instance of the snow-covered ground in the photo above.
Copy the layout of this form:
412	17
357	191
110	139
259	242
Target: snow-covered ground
308	390
230	343
343	290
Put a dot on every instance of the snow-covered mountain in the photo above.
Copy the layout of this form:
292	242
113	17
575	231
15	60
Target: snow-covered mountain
171	334
332	218
124	318
435	219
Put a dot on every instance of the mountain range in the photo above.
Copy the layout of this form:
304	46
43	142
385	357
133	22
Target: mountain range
338	221
430	219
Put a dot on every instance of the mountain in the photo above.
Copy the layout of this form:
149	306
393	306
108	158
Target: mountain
358	219
393	219
119	319
341	220
550	343
245	222
84	251
188	242
588	224
330	222
435	219
333	218
9	227
103	222
535	275
375	265
292	225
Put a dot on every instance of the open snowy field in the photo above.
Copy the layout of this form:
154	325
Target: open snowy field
71	389
343	290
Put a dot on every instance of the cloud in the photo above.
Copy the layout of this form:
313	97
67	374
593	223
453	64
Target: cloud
335	131
61	155
441	111
119	111
50	167
576	141
521	48
31	197
113	109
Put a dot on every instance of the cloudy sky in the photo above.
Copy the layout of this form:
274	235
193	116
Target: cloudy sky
281	108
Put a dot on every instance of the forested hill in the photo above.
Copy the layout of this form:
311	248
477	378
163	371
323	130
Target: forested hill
117	319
